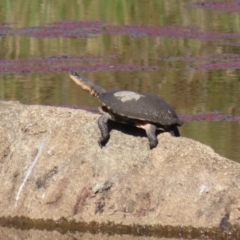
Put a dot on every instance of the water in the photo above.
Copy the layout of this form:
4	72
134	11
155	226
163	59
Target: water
187	52
19	227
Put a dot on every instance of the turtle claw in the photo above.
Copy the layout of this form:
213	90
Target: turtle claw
153	144
100	144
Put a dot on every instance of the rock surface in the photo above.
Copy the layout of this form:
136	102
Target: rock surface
52	167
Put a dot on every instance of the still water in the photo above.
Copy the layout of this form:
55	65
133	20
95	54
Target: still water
187	52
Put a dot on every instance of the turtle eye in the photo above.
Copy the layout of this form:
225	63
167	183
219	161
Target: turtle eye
73	73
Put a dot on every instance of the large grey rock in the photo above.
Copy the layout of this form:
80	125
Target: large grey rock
51	167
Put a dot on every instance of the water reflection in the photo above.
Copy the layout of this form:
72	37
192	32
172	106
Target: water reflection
74	230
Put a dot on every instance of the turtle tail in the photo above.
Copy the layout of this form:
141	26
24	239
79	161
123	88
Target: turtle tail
86	84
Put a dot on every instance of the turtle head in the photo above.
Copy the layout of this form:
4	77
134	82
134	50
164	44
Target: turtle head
86	84
73	73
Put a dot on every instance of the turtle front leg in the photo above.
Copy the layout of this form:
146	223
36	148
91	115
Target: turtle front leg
103	126
151	134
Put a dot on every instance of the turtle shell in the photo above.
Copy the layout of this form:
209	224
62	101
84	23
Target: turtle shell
139	106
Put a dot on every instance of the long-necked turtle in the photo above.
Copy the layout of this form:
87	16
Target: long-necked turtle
139	109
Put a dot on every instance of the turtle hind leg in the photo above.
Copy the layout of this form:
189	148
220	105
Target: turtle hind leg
174	131
151	134
103	126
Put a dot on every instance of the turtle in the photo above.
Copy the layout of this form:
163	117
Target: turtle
141	110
